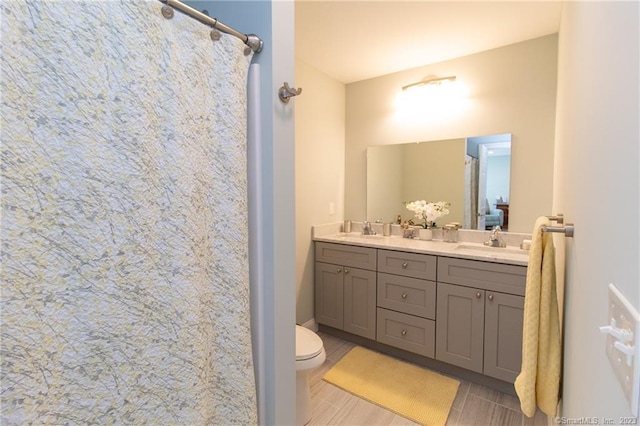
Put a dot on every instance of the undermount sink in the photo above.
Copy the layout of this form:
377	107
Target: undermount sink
370	236
488	249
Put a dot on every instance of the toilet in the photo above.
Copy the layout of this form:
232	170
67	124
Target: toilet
309	355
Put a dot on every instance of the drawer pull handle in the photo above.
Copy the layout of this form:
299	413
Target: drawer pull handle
403	332
404	295
339	270
405	264
346	271
478	295
491	297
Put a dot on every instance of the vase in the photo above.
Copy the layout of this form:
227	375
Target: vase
425	234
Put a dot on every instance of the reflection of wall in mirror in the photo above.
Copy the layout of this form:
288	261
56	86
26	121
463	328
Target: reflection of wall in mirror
434	171
498	172
431	171
384	190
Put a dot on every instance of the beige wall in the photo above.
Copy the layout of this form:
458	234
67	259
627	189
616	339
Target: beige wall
320	128
511	90
597	152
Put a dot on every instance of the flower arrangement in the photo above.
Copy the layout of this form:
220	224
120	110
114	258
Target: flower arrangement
428	212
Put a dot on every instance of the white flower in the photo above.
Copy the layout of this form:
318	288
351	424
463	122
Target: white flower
428	212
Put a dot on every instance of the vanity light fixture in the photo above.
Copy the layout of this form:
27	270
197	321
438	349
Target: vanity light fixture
429	80
431	99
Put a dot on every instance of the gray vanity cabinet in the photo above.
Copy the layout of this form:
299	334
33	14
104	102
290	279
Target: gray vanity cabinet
503	319
463	312
460	326
480	308
345	292
407	301
329	295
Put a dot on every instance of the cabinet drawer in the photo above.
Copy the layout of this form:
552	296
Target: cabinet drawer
413	334
340	254
408	295
508	279
407	264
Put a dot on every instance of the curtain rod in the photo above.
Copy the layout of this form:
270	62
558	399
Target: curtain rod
251	40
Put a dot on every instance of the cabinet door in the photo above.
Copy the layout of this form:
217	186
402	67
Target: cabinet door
503	335
460	326
360	302
329	294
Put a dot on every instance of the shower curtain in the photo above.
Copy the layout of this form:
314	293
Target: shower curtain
125	293
471	192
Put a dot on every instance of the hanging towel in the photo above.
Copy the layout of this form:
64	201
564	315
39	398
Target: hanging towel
539	379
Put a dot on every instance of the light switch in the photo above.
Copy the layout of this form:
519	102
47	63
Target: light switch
332	209
623	348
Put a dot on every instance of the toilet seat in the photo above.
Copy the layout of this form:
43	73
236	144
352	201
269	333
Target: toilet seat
310	354
308	344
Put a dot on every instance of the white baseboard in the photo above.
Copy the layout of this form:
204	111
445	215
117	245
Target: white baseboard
311	325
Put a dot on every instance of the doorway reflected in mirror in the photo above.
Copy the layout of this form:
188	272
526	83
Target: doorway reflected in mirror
487	182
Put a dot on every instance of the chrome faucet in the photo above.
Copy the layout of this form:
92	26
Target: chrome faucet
366	228
494	239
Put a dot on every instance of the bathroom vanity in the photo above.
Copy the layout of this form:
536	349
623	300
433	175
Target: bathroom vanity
456	307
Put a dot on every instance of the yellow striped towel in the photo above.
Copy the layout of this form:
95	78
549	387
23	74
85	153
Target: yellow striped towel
539	379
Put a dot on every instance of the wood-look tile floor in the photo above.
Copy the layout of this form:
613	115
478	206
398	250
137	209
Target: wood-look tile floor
474	404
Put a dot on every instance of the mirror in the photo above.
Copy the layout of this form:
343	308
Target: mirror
467	172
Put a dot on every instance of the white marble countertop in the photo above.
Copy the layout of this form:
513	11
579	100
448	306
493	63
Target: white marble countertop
469	245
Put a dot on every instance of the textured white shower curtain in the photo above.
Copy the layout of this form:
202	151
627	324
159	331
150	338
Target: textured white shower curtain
471	193
125	289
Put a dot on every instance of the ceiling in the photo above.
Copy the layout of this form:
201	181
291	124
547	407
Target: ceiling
356	40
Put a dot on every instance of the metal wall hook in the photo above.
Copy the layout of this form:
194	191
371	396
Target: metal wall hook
287	92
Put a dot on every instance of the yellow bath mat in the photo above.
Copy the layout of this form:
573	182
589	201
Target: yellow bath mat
408	390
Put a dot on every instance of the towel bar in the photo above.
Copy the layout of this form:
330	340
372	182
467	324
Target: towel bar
567	230
558	218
